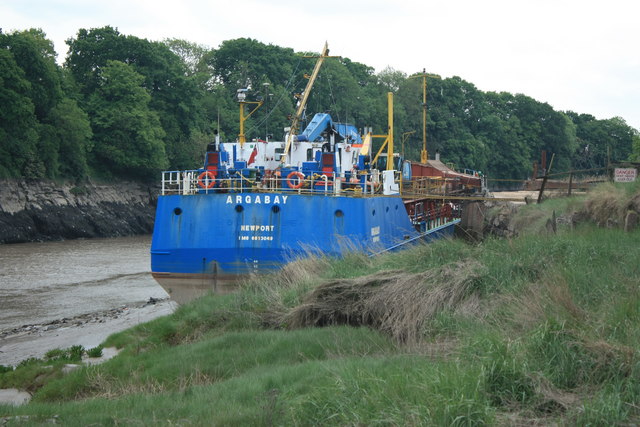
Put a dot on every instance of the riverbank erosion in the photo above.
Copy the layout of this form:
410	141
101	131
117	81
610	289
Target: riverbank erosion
32	211
607	206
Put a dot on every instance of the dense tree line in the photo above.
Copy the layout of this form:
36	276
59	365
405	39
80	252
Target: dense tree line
122	106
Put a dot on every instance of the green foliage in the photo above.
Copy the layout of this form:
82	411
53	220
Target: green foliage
54	354
562	356
191	54
52	116
70	139
174	96
33	373
95	351
18	124
504	370
602	141
71	354
401	390
35	55
223	357
127	133
242	62
635	155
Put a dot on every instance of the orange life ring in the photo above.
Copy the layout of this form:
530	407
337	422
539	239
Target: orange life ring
209	176
375	186
354	177
300	177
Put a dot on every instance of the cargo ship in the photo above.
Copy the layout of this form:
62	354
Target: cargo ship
254	206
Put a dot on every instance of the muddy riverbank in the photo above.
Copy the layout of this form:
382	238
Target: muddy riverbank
32	211
74	292
87	329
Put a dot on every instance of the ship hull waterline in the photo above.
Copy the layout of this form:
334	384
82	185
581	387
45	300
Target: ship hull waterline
209	243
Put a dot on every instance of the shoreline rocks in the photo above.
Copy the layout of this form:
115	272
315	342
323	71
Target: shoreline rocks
43	210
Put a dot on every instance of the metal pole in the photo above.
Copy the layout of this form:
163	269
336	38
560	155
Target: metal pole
546	176
424	155
390	137
241	137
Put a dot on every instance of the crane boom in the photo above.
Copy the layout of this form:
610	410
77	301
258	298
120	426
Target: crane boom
303	102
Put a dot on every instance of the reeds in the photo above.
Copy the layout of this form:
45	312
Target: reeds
540	329
394	302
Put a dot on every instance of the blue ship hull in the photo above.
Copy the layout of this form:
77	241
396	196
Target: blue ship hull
206	242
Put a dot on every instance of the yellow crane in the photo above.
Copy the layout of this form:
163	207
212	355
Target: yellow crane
303	101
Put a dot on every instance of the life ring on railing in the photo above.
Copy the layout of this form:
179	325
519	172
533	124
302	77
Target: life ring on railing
375	185
210	180
354	177
291	177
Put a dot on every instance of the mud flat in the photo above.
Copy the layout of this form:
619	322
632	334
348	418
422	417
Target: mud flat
88	330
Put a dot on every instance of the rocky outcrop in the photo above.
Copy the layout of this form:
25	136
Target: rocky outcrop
607	210
499	220
38	211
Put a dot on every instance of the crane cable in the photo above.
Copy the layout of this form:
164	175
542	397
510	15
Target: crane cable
279	100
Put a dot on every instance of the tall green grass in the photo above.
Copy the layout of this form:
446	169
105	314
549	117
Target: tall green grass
546	331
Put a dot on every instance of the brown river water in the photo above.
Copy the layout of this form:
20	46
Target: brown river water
41	282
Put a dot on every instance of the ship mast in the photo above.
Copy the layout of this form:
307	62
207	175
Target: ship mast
303	102
242	96
424	155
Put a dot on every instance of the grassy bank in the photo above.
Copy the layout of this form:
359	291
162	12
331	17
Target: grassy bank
543	328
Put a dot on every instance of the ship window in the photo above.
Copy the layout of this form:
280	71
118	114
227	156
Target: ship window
279	153
339	213
275	208
177	211
309	154
239	208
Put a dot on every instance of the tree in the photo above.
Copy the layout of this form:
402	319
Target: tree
127	133
242	62
175	95
191	54
543	128
336	91
18	124
511	156
635	145
70	126
35	55
391	79
601	141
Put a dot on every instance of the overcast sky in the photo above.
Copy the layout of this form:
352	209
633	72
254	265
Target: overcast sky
579	55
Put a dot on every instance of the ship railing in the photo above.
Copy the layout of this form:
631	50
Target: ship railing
428	215
197	182
429	186
354	183
177	182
